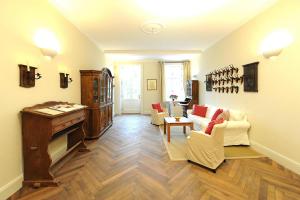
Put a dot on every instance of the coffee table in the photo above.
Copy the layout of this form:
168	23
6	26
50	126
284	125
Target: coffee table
171	121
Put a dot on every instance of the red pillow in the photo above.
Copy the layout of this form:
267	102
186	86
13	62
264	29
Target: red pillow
157	107
217	113
211	125
199	110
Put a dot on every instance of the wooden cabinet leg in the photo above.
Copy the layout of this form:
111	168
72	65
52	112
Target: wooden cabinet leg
184	129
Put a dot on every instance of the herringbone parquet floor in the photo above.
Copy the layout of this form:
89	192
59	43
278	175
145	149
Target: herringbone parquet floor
130	162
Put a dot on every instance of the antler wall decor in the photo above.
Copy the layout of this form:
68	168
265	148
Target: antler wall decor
227	77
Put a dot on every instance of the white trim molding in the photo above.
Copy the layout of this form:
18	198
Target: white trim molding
281	159
11	187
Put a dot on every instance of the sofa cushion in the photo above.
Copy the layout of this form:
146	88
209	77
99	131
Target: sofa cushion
211	125
217	113
199	110
157	107
224	115
201	121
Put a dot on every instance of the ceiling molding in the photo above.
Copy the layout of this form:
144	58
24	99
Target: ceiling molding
159	52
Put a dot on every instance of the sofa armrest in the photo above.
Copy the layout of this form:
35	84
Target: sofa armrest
238	124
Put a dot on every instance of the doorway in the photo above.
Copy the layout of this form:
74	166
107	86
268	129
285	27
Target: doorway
130	80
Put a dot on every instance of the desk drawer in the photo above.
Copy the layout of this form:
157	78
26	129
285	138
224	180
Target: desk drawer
67	121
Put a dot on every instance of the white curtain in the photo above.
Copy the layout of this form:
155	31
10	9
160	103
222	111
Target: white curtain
186	73
162	81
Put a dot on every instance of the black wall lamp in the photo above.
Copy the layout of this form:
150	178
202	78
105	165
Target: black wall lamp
28	76
64	80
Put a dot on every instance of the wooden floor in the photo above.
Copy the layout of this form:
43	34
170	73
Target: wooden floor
131	162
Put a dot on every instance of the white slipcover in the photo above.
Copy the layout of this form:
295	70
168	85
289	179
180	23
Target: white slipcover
236	131
158	118
207	150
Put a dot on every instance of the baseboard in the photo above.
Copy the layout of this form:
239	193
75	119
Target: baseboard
281	159
11	187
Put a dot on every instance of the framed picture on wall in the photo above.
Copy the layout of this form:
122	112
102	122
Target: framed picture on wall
151	84
250	77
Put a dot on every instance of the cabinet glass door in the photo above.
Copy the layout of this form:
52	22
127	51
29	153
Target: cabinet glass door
96	90
102	92
109	90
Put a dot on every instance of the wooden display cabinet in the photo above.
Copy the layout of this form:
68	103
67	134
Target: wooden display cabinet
97	94
192	92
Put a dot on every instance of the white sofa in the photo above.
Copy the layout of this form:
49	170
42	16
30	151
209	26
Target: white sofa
236	131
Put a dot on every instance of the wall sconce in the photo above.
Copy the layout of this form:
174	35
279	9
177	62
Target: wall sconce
28	77
274	43
50	53
47	43
64	80
272	53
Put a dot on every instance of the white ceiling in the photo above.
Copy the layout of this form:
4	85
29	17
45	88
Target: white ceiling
189	24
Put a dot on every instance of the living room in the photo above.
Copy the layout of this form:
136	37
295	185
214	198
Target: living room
60	51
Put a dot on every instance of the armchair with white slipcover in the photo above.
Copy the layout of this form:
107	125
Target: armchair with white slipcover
207	150
157	118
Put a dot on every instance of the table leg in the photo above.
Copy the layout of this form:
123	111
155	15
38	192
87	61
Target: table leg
192	126
169	130
164	126
184	129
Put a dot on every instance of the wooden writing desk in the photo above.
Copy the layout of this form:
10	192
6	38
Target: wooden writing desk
38	129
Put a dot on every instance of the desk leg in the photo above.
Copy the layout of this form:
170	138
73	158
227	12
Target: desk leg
165	126
169	136
184	129
82	145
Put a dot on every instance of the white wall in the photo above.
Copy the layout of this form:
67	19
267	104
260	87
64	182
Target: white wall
274	111
19	20
151	70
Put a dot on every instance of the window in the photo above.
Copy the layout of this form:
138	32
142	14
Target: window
173	76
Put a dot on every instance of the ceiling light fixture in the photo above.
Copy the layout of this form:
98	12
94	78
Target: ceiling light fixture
152	27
